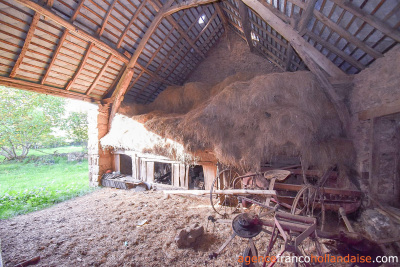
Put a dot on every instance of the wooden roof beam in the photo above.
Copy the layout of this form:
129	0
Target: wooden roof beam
45	11
244	20
44	89
346	35
134	17
292	36
58	48
306	16
104	23
370	19
314	60
99	75
28	39
127	75
80	68
76	11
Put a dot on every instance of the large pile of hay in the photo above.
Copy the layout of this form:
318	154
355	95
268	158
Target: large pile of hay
246	121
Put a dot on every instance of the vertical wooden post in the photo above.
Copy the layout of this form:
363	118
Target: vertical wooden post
99	160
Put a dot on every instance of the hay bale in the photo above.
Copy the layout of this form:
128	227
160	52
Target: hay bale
247	121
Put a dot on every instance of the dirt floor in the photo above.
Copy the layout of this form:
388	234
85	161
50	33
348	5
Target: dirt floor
101	229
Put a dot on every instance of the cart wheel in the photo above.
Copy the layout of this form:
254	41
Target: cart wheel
223	204
247	253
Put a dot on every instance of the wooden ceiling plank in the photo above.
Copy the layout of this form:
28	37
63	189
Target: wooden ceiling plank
44	89
72	28
370	19
346	35
107	16
80	68
27	42
134	17
244	20
99	75
214	15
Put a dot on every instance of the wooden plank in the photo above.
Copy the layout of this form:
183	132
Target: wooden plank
382	110
150	171
80	68
370	19
175	174
134	17
107	16
24	49
117	162
298	43
72	28
134	166
58	48
289	56
346	35
244	20
44	89
351	60
99	75
306	16
225	192
348	79
210	172
143	170
187	177
182	172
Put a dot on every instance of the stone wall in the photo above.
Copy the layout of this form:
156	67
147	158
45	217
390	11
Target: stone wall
99	160
375	139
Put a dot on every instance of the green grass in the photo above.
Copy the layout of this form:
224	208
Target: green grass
35	184
47	151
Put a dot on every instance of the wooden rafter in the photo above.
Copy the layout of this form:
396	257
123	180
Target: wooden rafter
126	77
370	19
76	11
99	75
44	89
58	48
80	68
24	49
306	16
346	35
244	20
312	57
134	17
105	21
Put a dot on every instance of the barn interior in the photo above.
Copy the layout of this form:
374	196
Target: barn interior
252	107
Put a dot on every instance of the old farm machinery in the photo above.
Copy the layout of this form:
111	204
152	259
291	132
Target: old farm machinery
295	212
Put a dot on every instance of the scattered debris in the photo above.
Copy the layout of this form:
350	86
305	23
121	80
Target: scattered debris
186	237
142	222
29	262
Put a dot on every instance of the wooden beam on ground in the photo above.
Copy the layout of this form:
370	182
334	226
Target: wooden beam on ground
122	85
72	28
346	35
134	17
105	20
301	46
380	111
244	20
58	48
370	19
306	16
224	192
44	89
80	68
28	39
311	57
99	75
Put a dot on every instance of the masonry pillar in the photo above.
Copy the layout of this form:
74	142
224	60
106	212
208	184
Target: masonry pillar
99	160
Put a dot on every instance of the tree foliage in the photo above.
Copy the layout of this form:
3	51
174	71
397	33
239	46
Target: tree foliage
26	119
76	126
